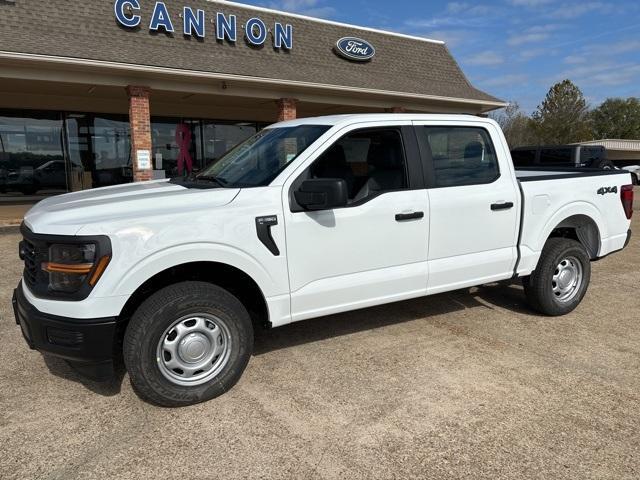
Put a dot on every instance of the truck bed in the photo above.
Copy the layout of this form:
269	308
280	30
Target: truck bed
532	174
582	194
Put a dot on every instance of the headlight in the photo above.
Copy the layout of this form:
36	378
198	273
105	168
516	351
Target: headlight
71	266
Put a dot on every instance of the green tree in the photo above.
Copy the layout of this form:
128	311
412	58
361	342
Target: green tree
516	125
617	118
563	116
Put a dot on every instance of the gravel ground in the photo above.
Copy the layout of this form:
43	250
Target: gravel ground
469	384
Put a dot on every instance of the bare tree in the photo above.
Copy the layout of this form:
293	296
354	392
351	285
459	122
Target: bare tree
515	124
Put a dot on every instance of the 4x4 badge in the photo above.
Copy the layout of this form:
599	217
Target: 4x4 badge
605	190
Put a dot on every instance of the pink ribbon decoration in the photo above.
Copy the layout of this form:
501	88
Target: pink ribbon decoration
183	139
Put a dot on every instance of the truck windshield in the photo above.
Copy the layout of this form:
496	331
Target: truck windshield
258	160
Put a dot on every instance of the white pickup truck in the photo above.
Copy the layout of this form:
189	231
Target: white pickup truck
307	218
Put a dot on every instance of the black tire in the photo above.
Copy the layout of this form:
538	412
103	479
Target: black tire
157	314
539	286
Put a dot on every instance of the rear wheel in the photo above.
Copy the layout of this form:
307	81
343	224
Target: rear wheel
187	343
561	278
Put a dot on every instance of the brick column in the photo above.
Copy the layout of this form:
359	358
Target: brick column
140	126
396	110
287	109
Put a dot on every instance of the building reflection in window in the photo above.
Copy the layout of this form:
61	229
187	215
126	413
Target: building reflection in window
202	141
45	152
168	145
99	150
219	138
31	153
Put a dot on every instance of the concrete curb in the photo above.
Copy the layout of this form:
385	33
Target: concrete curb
10	226
9	230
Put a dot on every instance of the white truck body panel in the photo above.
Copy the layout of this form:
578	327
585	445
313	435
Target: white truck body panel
336	260
458	256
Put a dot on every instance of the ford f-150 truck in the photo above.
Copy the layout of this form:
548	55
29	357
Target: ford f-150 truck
307	218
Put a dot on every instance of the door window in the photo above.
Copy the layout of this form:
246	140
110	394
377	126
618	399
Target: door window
371	162
461	156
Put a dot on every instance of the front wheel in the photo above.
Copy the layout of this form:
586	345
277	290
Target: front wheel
561	278
187	343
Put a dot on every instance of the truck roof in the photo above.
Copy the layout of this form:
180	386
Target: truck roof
379	117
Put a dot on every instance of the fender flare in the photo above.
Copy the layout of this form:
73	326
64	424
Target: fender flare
195	252
584	209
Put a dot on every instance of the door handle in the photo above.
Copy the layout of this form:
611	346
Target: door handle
403	217
501	206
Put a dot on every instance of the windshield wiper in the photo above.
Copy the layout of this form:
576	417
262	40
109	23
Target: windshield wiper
211	178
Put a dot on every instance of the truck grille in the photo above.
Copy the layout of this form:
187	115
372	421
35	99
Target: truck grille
30	262
33	252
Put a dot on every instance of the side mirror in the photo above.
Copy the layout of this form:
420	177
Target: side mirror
322	194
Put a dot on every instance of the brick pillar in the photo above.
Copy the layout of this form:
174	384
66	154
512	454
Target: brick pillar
287	109
396	110
140	126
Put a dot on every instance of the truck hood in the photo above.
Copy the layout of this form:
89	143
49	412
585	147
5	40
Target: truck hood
67	214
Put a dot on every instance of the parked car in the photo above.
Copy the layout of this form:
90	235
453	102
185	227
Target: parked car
29	180
307	218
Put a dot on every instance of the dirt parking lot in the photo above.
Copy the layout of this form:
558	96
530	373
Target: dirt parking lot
469	384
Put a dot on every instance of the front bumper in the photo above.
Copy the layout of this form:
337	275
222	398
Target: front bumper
88	344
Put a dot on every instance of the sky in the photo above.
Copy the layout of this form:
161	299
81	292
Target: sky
513	49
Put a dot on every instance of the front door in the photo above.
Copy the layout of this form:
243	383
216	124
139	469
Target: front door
474	205
372	251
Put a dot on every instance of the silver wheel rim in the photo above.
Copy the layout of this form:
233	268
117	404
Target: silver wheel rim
194	349
567	279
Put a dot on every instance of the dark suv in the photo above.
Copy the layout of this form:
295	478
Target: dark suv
562	156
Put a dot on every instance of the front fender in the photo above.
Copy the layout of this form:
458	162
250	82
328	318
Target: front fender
159	261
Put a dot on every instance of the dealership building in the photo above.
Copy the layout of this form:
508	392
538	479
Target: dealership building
106	92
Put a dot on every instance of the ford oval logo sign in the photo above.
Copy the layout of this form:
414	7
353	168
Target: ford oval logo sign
353	48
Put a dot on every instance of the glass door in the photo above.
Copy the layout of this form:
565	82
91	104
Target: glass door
31	154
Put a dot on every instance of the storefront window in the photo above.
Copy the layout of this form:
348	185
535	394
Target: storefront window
55	152
112	151
31	153
219	138
99	150
79	154
175	144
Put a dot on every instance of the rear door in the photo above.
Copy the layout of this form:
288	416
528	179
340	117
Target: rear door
473	204
374	250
